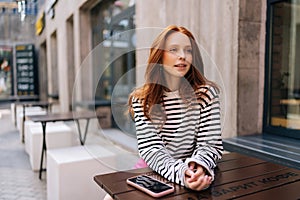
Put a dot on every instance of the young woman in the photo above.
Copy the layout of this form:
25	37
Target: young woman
177	112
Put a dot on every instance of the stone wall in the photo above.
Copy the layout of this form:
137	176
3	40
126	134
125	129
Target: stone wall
215	26
251	66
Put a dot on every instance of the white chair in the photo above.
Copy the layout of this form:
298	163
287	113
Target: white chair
27	126
17	109
30	111
58	135
70	171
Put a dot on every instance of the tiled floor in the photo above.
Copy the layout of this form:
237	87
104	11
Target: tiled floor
17	180
21	184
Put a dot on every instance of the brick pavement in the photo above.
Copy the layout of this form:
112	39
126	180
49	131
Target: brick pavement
17	180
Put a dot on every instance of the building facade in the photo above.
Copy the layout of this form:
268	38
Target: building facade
18	77
93	52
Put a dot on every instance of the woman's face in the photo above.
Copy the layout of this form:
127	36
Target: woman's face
177	56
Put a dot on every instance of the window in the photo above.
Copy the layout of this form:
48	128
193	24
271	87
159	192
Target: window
282	97
113	29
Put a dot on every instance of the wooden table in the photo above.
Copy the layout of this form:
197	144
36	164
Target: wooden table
237	177
70	116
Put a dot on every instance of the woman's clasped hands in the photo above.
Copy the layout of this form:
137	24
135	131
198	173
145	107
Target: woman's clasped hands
196	177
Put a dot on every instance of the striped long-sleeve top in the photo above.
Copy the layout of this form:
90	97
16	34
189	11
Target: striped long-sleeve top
191	132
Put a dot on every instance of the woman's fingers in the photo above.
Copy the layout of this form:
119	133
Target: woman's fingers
205	183
199	171
196	179
190	176
192	165
202	183
189	173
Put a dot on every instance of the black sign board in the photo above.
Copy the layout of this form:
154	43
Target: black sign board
26	70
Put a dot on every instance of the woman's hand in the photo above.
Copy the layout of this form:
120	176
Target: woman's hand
195	177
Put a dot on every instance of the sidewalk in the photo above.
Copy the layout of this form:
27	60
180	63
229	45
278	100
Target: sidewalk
17	180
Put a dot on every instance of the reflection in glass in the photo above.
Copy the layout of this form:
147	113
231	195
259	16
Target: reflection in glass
113	56
284	66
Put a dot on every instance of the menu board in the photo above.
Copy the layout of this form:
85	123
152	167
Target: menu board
26	70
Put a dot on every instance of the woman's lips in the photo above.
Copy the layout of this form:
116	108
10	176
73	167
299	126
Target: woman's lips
181	65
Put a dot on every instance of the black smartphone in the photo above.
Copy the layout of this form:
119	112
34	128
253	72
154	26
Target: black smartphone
150	185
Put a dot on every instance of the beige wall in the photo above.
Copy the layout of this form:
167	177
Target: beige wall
252	23
231	34
64	9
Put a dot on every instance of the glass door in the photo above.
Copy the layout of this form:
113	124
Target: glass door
282	96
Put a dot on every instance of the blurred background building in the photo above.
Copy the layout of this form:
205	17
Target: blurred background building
18	75
91	53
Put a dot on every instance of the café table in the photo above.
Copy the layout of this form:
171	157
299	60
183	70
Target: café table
68	116
44	104
237	176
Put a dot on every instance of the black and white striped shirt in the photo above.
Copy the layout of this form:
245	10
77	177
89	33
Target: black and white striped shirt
190	132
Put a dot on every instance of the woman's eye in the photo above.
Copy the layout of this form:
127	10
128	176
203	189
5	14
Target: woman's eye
173	50
189	50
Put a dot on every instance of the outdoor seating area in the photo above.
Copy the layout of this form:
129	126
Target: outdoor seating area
204	95
70	150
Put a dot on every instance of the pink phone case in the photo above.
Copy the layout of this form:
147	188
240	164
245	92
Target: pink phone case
153	194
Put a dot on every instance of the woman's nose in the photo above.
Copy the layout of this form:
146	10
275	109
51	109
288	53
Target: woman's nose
181	54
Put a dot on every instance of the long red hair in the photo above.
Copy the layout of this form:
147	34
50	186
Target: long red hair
152	91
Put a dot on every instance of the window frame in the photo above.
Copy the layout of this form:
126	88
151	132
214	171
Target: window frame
267	127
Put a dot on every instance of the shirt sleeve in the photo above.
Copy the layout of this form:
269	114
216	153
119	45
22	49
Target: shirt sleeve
209	146
152	149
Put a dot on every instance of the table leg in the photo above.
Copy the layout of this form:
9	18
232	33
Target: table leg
15	112
82	140
23	124
44	148
50	108
47	108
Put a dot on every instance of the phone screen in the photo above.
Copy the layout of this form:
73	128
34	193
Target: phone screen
149	183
